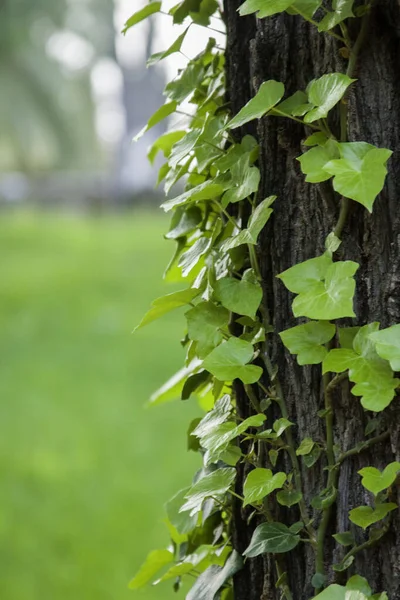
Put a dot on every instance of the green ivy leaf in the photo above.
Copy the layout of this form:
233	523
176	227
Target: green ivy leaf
269	94
342	9
184	221
371	374
182	521
271	537
156	560
387	345
292	105
164	144
359	584
218	415
305	8
205	321
289	497
311	458
164	305
332	592
173	48
313	162
257	221
172	389
325	288
305	447
213	579
306	341
332	242
193	383
215	484
344	538
245	181
187	83
347	335
324	93
360	172
264	8
229	360
364	516
140	15
162	113
260	483
280	425
218	439
376	481
240	296
205	191
318	138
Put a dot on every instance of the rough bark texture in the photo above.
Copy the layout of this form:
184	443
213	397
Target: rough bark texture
288	49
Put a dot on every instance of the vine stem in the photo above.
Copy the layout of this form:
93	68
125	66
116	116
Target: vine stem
364	446
290	448
368	544
310	20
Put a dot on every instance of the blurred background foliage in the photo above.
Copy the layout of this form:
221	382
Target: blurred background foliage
85	468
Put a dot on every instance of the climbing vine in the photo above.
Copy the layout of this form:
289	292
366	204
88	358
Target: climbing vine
215	224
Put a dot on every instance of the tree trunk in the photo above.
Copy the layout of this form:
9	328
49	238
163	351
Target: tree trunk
288	49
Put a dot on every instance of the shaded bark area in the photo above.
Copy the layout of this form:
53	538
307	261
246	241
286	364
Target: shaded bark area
290	50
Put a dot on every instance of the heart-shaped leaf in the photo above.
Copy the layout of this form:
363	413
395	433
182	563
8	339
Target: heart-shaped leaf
360	172
215	484
307	341
155	561
289	497
264	8
205	321
218	439
269	94
271	537
376	481
387	345
229	360
260	483
324	93
364	516
313	162
371	374
240	296
244	182
342	9
165	304
325	289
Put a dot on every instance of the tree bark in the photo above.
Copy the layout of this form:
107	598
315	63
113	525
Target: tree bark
288	49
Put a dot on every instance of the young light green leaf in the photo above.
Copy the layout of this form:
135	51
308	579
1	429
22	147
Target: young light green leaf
155	561
347	335
289	497
184	221
229	360
292	105
324	93
182	521
191	257
245	181
359	584
360	172
280	425
218	439
307	341
162	113
371	374
387	345
264	8
183	147
304	8
140	15
376	481
164	305
240	296
190	79
332	242
305	447
260	483
172	389
325	288
205	191
332	592
269	94
364	516
318	138
342	9
173	48
271	537
164	144
218	415
257	221
313	162
209	583
205	321
215	484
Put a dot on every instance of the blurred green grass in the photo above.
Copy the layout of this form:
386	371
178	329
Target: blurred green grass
85	469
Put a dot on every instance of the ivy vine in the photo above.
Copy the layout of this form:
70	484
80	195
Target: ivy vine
228	326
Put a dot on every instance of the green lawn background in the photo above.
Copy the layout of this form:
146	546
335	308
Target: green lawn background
85	469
